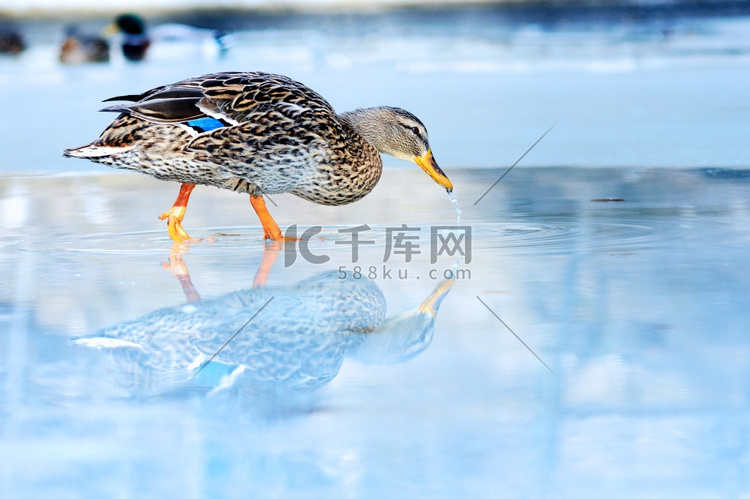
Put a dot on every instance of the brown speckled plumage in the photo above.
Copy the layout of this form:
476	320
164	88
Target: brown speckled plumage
257	133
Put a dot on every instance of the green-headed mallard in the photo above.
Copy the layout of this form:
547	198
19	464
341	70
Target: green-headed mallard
257	133
135	41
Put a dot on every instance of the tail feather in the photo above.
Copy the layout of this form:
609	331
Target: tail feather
92	151
74	152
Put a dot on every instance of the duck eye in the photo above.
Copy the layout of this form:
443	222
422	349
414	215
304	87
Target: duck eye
415	131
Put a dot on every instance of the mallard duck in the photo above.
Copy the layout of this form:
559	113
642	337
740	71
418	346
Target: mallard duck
135	41
257	133
296	343
11	42
78	48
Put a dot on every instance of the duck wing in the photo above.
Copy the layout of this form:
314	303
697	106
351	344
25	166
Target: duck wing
267	129
273	123
168	104
233	98
241	97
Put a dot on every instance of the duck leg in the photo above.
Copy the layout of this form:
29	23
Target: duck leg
178	267
270	228
269	257
177	212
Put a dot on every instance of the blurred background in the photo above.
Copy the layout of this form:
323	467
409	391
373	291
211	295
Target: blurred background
631	83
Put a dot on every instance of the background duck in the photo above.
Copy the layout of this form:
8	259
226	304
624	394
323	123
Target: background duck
11	42
185	39
137	40
134	41
78	48
257	133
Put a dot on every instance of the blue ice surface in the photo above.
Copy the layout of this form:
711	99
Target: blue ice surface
608	351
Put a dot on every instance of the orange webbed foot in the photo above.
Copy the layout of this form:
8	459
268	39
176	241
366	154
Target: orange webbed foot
174	218
178	234
175	215
279	239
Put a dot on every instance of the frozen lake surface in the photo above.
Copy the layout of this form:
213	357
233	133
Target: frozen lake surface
593	341
638	307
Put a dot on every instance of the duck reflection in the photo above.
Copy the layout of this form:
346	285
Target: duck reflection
266	339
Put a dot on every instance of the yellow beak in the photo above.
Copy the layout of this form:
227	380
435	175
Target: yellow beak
431	304
428	164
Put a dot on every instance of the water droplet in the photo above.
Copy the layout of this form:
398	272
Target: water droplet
454	200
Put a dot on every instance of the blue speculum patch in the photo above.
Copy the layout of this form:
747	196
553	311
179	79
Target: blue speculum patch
206	124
